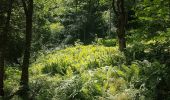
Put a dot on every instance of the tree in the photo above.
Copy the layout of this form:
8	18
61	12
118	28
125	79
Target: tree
119	10
82	19
3	41
153	16
28	9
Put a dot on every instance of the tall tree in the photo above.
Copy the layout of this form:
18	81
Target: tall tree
119	10
3	41
28	9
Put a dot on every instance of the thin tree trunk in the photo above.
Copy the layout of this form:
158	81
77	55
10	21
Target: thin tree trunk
1	71
2	66
3	40
122	20
28	36
121	23
110	24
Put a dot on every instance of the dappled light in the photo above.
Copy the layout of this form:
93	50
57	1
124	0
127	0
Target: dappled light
84	49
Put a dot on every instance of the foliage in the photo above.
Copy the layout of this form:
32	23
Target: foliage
106	42
64	67
156	48
11	79
100	74
78	59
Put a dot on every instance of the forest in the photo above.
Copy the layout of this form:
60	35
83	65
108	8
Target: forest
84	49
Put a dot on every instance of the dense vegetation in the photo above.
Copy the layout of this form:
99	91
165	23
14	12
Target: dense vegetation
84	49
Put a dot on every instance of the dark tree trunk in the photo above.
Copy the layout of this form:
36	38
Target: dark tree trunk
28	8
119	10
3	40
1	71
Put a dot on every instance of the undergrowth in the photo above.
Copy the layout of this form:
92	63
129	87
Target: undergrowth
92	72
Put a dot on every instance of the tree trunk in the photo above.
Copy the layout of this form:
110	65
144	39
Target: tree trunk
28	36
120	23
3	40
1	72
